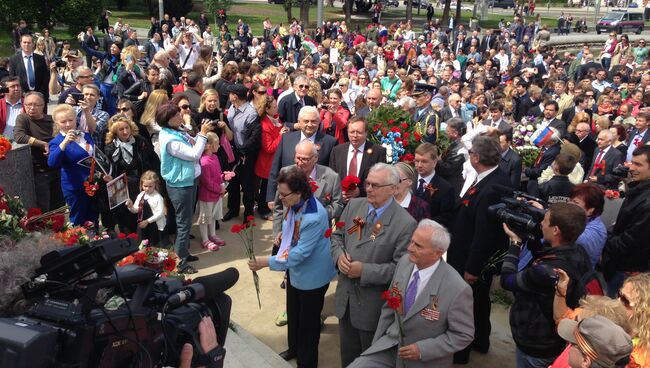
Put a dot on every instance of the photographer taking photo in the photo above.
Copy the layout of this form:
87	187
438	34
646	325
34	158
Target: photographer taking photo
533	282
627	248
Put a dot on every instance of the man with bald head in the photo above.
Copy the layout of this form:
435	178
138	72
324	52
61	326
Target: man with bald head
373	100
581	138
452	110
606	159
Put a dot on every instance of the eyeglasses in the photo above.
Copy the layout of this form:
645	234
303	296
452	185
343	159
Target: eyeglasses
375	186
626	302
302	86
124	109
283	196
304	159
85	76
185	107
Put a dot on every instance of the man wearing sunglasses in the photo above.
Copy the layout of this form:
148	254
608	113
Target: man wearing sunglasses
290	106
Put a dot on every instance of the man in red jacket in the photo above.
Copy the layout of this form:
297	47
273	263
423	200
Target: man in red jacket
11	105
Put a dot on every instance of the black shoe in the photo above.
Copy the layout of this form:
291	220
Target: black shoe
229	215
287	355
480	348
191	258
186	269
283	285
216	225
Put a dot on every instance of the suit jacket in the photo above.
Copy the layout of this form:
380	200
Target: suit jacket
427	123
559	125
611	159
285	41
41	73
328	193
511	165
285	156
570	113
445	114
290	107
439	339
475	237
462	44
634	132
502	127
379	258
92	41
487	44
450	167
523	105
363	112
548	156
372	154
151	49
441	198
108	41
587	146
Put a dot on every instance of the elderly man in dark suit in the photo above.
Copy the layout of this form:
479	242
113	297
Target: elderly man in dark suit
510	160
425	118
452	110
476	236
450	166
606	158
437	305
431	187
31	68
373	100
290	105
581	138
356	157
366	250
308	120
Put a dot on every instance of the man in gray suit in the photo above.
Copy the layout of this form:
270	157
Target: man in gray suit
327	180
366	250
436	308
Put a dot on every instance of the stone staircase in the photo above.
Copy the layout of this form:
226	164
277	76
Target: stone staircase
243	350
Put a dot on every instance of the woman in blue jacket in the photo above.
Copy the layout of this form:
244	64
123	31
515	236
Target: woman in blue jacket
309	261
67	149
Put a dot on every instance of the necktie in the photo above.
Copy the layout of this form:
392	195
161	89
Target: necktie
411	292
372	216
421	187
352	169
597	163
31	78
302	102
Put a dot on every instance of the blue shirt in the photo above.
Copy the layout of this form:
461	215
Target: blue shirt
380	210
593	239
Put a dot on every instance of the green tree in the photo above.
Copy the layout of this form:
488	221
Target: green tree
288	4
76	14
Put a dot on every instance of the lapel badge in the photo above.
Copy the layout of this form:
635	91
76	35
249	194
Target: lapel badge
375	230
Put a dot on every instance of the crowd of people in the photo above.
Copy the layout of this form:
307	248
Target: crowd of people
278	123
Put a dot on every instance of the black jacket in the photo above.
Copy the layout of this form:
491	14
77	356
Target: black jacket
558	189
441	199
289	108
627	248
511	165
450	167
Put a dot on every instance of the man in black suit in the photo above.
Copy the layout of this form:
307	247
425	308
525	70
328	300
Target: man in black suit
110	38
459	45
31	68
152	46
639	135
476	236
431	187
550	112
605	160
92	42
510	160
450	166
357	156
524	102
292	42
358	59
496	118
290	105
489	40
546	157
452	110
581	104
308	120
587	145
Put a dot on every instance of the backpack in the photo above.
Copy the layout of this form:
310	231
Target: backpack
581	284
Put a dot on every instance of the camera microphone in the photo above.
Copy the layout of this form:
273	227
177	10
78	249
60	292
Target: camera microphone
203	286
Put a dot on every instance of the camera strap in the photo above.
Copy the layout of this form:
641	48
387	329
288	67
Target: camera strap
188	56
212	359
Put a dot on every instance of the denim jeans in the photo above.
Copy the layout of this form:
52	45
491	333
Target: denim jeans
183	201
615	284
527	361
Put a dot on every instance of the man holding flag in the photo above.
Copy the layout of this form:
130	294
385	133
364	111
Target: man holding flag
548	139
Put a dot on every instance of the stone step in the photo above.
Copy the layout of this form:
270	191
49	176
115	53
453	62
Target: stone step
243	350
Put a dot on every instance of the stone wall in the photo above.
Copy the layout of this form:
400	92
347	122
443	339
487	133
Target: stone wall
17	176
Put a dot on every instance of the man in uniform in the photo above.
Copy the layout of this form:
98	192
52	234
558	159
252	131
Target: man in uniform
425	118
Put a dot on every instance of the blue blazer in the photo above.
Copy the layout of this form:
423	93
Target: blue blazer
310	262
73	175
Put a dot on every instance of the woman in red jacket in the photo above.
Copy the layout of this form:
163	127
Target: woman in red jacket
272	131
334	117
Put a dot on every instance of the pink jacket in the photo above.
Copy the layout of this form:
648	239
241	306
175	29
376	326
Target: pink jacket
211	178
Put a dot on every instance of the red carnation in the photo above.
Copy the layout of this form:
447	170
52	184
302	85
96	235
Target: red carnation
32	212
236	228
72	240
169	265
408	157
350	182
132	236
395	130
404	125
391	122
406	135
250	218
385	295
417	136
465	202
4	206
328	233
58	221
405	143
340	224
139	258
2	192
121	236
393	302
314	186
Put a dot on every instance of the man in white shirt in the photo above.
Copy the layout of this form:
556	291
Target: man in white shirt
188	51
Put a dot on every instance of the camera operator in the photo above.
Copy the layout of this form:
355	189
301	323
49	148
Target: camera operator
11	105
68	77
627	248
209	344
533	282
84	75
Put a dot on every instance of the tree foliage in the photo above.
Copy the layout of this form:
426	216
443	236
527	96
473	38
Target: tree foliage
76	14
211	6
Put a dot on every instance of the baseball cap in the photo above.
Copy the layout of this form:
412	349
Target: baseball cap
597	337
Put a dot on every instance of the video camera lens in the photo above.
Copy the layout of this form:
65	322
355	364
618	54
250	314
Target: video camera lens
61	63
621	171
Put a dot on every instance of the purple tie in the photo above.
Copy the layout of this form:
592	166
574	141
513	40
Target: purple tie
411	292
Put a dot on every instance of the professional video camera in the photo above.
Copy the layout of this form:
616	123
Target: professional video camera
87	313
521	217
621	171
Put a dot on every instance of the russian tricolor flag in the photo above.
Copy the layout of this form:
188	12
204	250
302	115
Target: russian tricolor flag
543	136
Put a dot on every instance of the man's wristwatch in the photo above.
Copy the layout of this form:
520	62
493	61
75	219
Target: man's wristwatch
516	243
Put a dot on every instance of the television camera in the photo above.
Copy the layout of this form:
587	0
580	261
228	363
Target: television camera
87	313
520	216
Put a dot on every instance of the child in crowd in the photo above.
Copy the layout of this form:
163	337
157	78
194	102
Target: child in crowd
150	207
558	189
211	191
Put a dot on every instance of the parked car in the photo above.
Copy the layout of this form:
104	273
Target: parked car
504	4
423	3
463	7
394	3
621	21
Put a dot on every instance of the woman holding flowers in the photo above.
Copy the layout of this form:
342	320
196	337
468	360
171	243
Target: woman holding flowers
305	253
